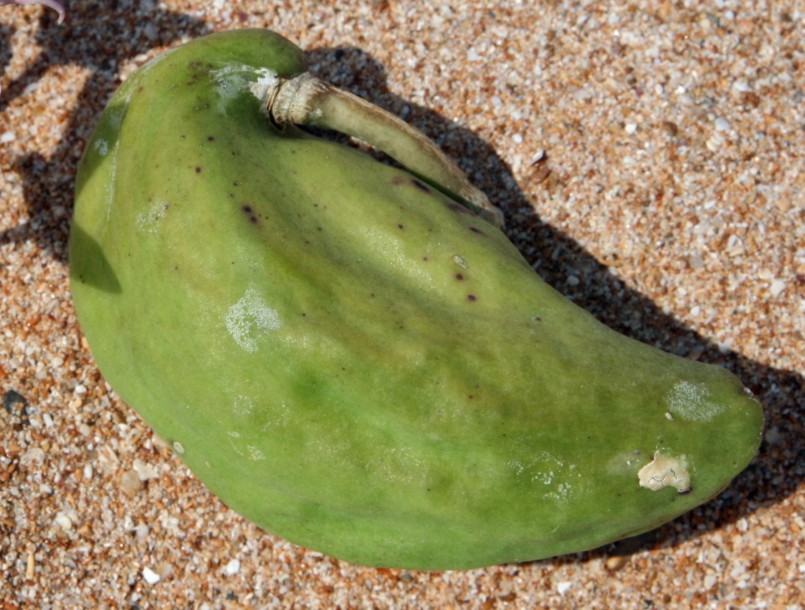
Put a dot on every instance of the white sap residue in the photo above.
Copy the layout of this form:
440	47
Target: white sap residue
267	80
692	402
255	454
250	319
101	147
148	220
233	79
242	407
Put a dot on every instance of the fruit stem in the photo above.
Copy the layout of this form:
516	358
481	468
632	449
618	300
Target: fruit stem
306	100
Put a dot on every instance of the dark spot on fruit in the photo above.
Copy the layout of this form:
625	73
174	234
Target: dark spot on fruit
537	319
198	169
210	138
425	258
182	137
420	186
477	230
470	396
247	209
471	298
235	183
459	276
400	226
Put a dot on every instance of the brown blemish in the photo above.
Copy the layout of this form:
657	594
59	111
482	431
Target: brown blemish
457	207
210	138
420	186
476	230
459	276
472	298
198	169
401	226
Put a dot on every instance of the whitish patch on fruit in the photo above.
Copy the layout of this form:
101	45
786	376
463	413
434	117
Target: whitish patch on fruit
399	464
665	470
254	453
233	79
691	401
551	477
250	319
625	463
266	81
101	147
148	220
109	191
243	407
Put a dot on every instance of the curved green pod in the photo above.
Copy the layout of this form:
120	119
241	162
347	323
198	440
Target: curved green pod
351	358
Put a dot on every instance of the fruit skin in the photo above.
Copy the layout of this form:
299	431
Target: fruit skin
351	360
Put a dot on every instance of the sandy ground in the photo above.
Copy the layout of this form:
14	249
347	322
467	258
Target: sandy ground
648	157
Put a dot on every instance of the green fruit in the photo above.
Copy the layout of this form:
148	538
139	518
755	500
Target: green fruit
353	360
